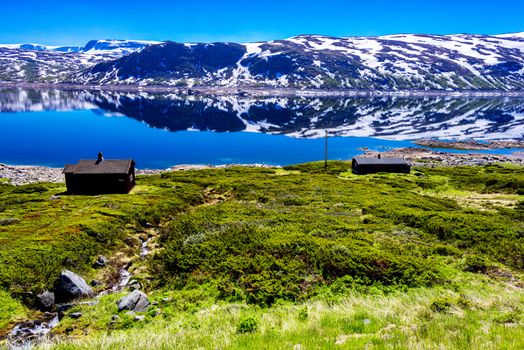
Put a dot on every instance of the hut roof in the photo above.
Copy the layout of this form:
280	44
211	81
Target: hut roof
381	161
110	166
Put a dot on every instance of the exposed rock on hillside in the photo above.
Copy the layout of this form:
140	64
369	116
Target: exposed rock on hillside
135	301
72	286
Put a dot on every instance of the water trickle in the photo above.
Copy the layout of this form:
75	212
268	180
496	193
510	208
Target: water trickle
25	334
144	250
29	333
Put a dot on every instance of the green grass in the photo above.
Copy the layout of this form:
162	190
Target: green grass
247	257
11	310
51	234
482	315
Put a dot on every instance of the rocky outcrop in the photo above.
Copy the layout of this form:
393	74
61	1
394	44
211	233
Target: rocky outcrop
9	221
100	262
46	300
72	286
136	301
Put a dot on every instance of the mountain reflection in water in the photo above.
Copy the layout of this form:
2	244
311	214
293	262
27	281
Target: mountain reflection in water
357	121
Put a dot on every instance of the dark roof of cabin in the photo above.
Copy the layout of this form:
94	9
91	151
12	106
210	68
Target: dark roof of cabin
109	166
381	161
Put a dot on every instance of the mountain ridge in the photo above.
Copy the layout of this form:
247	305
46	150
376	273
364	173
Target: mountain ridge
455	62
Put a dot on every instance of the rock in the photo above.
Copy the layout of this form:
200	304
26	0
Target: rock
64	307
134	284
135	301
96	283
55	197
115	318
75	315
139	318
9	221
46	300
131	241
100	262
72	286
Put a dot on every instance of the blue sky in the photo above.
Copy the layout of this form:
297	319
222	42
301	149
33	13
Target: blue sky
70	22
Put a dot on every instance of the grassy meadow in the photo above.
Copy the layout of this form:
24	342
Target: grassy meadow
290	258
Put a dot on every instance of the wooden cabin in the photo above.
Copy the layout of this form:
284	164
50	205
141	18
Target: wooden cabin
366	165
100	176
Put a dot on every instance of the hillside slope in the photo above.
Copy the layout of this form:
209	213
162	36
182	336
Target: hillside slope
255	258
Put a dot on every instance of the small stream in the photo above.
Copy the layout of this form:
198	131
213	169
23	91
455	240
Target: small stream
28	333
25	334
144	249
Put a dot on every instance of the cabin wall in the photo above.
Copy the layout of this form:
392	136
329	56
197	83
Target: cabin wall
131	180
70	182
99	183
377	168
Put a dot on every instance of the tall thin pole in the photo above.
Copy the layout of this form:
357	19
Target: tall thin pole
326	150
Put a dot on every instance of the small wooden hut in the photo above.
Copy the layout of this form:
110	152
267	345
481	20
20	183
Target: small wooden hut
367	165
100	176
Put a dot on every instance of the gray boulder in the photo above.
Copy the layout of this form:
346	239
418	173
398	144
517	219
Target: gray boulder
9	221
100	262
96	283
46	300
134	284
135	301
72	286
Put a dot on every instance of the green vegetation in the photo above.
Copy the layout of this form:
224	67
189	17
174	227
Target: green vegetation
272	258
11	310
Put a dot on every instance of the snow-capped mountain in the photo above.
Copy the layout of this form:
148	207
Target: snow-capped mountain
55	64
388	117
392	62
124	46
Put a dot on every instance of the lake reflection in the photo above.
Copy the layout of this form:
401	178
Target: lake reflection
77	124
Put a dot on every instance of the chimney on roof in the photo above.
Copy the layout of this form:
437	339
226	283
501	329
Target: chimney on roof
100	158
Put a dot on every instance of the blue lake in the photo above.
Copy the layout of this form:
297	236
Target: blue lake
53	127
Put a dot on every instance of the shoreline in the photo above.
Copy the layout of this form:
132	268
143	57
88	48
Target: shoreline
422	157
427	157
471	144
261	91
26	174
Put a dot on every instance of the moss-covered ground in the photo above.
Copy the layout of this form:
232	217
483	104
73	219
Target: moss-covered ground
287	258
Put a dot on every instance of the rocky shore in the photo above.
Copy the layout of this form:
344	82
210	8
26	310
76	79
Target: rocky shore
430	158
258	91
471	144
25	174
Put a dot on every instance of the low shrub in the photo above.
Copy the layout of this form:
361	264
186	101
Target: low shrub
443	304
476	263
247	325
